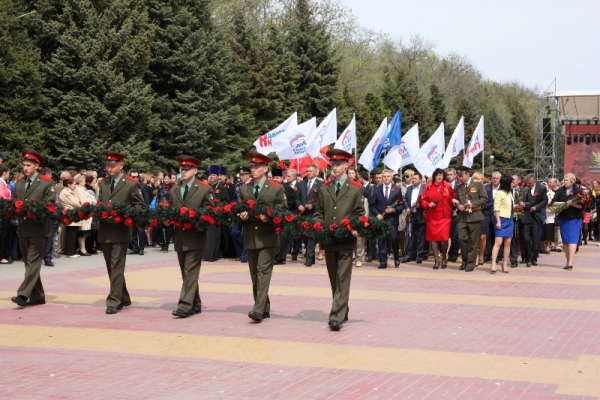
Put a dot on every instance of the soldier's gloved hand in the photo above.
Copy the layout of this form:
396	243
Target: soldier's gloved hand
243	216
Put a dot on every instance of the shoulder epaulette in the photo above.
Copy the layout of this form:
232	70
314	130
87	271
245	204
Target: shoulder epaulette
45	178
275	183
247	183
356	183
204	184
327	182
131	179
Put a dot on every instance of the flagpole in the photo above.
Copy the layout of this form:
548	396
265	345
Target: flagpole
483	162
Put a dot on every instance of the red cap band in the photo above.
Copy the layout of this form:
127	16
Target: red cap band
32	157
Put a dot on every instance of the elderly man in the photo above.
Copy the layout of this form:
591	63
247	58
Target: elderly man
470	199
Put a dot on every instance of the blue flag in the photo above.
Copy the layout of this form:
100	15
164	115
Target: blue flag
391	138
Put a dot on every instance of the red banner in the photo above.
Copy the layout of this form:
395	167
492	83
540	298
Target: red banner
581	159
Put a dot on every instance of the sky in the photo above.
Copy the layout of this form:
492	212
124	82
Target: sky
529	41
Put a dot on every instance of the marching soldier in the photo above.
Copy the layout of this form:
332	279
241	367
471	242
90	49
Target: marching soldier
470	200
32	233
339	198
189	244
260	238
117	188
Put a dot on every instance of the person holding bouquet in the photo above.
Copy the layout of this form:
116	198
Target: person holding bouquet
436	202
567	206
33	232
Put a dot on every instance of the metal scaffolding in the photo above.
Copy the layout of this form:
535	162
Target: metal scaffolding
549	139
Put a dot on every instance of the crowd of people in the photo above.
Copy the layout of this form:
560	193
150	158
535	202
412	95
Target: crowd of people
453	213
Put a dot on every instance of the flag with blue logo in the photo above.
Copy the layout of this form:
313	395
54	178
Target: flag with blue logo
391	138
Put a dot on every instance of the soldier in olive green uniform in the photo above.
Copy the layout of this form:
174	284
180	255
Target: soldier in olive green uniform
115	189
33	233
260	238
470	199
189	243
339	199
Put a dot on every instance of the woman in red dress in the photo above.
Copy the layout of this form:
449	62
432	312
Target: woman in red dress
436	201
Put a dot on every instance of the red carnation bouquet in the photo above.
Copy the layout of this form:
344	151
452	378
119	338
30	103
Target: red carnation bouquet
32	209
579	199
370	228
85	212
281	218
186	218
123	214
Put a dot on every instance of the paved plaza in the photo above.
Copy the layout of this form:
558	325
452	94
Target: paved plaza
414	332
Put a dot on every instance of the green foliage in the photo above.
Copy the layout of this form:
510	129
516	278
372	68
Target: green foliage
20	86
190	76
155	79
401	90
501	142
94	57
319	65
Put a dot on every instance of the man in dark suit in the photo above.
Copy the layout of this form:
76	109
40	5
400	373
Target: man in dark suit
138	235
290	194
470	199
415	247
237	230
387	205
189	243
309	192
375	181
33	233
117	189
340	198
534	199
221	198
260	238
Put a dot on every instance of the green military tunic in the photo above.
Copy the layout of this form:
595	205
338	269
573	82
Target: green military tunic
331	209
189	243
261	241
115	238
32	235
469	223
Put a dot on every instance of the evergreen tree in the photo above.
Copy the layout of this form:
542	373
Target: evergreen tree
21	83
524	130
501	142
465	108
94	56
401	90
190	74
437	105
314	54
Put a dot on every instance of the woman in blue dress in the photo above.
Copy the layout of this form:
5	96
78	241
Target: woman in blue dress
570	218
504	225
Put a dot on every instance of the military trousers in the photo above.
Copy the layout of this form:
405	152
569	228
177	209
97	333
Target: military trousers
468	237
114	256
32	249
189	264
339	269
260	262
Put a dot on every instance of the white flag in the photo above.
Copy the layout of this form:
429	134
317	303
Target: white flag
347	140
431	154
294	142
409	144
264	144
325	134
366	158
475	145
403	154
456	143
